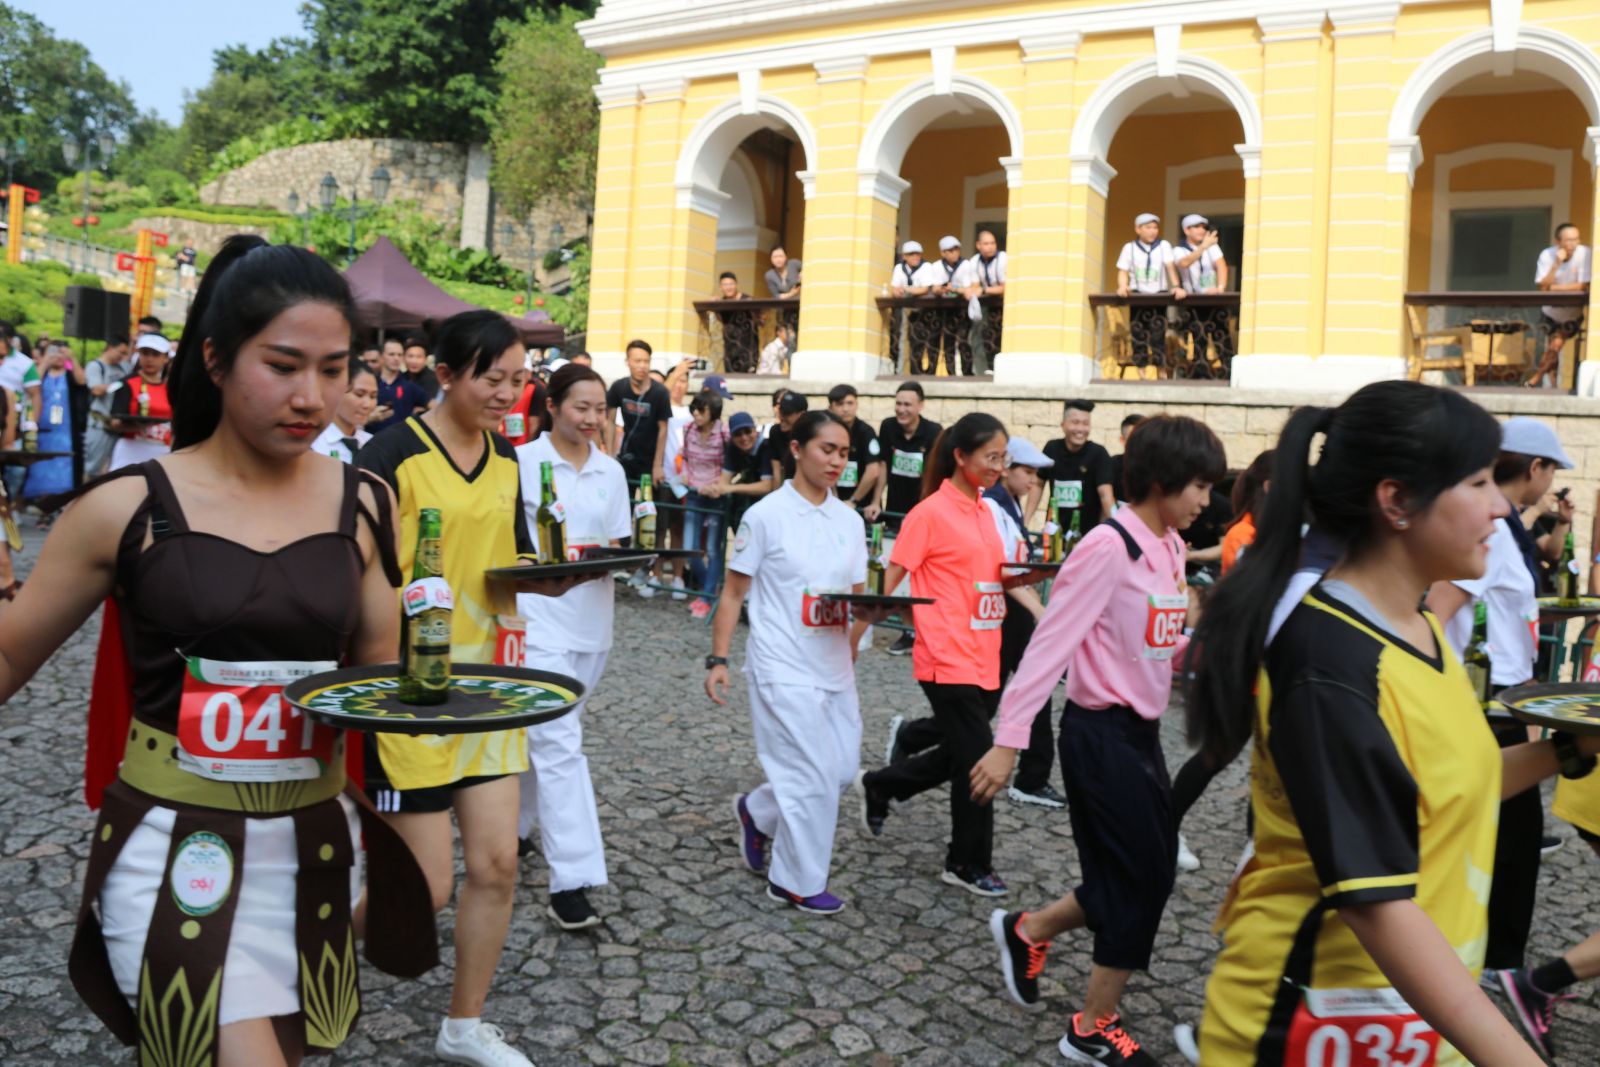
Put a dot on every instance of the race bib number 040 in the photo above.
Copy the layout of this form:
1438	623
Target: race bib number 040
1068	495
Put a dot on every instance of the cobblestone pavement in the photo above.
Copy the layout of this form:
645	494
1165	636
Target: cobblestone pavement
693	964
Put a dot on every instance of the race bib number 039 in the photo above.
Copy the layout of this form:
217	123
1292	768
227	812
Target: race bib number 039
235	726
1359	1028
988	605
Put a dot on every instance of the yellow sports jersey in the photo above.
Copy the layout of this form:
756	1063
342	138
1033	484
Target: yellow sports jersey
1578	801
483	527
1374	777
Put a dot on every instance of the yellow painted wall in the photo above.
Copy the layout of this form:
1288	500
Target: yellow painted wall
937	165
1552	119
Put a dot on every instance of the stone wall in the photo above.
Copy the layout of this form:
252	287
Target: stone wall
206	236
1247	421
430	174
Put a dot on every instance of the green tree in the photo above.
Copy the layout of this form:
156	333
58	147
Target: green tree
229	107
545	132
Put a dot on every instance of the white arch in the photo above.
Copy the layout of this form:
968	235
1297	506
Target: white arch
908	112
721	131
1139	83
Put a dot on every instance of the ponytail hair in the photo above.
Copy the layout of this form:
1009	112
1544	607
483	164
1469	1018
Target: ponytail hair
248	284
1425	438
561	383
1250	488
970	432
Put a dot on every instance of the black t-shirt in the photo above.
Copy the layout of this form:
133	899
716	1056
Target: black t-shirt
746	468
1118	490
864	451
775	449
428	381
904	457
1207	531
1075	479
641	418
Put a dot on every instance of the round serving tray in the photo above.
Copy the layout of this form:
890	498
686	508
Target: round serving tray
483	697
1573	707
873	600
589	565
1551	609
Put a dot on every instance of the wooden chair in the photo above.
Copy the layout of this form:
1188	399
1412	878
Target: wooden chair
1117	344
1424	340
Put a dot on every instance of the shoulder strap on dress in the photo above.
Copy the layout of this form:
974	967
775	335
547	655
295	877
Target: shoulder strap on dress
1134	551
381	524
166	517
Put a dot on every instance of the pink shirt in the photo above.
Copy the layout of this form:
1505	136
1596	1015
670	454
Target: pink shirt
951	549
702	456
1116	622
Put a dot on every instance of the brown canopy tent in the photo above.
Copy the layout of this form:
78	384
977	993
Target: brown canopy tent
393	296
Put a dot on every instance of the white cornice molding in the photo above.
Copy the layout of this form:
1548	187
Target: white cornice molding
1012	165
749	90
1047	46
1591	146
1091	170
662	90
1250	156
881	185
1364	20
841	69
808	183
943	59
701	198
1281	26
1405	156
1506	18
611	96
1168	36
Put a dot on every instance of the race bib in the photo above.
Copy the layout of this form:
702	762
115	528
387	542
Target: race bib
1208	279
235	726
510	641
850	476
1164	625
579	545
1359	1028
1067	494
516	424
988	605
822	618
906	464
1150	275
157	431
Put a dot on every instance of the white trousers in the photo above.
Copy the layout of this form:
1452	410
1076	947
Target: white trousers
809	743
557	794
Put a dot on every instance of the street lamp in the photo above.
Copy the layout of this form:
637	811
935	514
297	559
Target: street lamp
10	153
328	196
71	150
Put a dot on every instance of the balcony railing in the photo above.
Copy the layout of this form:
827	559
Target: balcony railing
1154	335
733	333
1489	338
923	333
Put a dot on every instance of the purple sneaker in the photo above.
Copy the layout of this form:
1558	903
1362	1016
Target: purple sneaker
1534	1008
752	842
823	903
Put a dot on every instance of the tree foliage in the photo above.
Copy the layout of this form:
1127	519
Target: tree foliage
545	132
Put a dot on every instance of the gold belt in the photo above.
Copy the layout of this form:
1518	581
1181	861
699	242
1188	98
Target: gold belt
150	765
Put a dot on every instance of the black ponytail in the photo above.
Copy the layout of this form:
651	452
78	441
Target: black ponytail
970	432
248	284
1426	439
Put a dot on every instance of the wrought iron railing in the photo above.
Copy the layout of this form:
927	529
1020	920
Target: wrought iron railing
734	334
1156	335
1493	338
922	334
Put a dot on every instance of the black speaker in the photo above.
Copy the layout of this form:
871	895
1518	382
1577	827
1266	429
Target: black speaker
94	314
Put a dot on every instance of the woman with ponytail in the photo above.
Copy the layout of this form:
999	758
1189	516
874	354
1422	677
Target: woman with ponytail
220	906
1358	925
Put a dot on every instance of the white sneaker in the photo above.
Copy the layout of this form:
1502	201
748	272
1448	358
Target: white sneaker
647	591
484	1046
639	577
679	590
1187	861
1188	1042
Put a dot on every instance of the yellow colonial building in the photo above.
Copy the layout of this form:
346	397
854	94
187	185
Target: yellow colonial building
1347	154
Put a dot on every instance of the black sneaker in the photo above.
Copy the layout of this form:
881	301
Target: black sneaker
526	846
893	750
903	646
1108	1042
571	910
1534	1008
1044	797
874	806
979	883
1550	843
1020	962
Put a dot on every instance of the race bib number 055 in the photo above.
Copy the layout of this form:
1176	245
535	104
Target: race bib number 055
1164	624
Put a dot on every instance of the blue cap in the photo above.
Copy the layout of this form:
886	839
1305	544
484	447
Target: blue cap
741	420
716	383
1530	437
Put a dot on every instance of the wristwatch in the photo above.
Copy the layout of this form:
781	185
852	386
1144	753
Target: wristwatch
716	661
1574	764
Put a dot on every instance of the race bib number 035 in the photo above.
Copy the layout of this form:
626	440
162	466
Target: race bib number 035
1359	1028
234	726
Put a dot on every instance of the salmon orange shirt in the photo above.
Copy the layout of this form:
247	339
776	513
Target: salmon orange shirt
1239	535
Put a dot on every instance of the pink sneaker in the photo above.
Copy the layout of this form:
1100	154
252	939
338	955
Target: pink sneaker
700	609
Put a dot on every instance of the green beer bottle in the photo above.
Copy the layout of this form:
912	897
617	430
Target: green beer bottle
549	523
644	526
1055	546
1567	575
144	400
1476	656
875	567
425	631
1073	535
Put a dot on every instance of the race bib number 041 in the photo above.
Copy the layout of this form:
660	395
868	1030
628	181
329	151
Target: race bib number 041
235	726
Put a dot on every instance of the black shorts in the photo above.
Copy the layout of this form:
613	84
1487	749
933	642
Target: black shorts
1568	329
426	801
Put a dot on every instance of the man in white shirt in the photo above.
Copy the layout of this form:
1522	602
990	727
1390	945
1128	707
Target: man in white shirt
103	377
1203	269
985	275
1564	267
912	277
1146	266
955	328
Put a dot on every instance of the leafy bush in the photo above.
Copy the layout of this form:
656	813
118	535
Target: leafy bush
31	293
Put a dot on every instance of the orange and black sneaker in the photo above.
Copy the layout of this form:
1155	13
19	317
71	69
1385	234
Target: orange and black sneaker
1107	1042
1021	960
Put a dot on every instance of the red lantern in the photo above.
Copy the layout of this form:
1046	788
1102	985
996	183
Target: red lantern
94	220
78	221
539	303
517	300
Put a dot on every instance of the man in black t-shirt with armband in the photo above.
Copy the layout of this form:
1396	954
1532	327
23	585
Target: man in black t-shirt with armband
1080	474
863	472
906	439
646	406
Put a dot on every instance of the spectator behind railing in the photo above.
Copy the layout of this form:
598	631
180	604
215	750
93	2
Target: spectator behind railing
1564	267
739	337
912	277
1202	269
783	277
985	275
955	328
1146	266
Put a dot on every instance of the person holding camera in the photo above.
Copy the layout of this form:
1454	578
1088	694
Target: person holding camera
1202	269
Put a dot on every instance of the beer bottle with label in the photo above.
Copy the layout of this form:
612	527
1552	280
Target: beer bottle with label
875	567
550	525
144	400
1476	656
644	527
29	428
1055	546
1567	574
425	627
1073	535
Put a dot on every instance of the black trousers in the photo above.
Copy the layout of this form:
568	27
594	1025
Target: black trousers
961	716
1120	800
955	337
1516	868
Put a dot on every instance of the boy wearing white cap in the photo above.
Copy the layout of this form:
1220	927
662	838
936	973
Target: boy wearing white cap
1146	266
912	277
955	329
1202	269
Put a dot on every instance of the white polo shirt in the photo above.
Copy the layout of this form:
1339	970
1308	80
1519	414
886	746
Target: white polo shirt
331	442
598	512
1146	265
913	279
1507	588
793	551
1577	268
976	272
1014	545
1202	273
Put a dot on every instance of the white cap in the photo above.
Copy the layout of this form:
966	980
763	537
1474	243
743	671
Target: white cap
556	364
153	342
1020	452
1195	220
947	243
910	247
1146	217
1530	437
